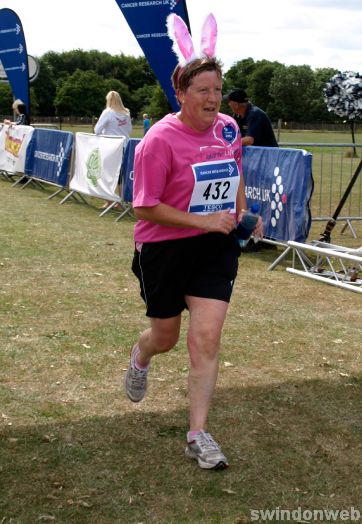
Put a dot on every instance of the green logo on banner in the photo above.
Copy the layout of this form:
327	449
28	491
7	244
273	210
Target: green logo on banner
94	166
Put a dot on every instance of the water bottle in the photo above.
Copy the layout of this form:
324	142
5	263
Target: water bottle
247	224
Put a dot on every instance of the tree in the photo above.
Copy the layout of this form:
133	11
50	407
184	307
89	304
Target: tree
254	77
319	109
135	72
259	80
126	74
141	98
34	106
238	74
81	94
158	106
44	88
6	100
236	77
292	89
76	83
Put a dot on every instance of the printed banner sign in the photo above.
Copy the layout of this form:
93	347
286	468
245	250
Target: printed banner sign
98	160
14	141
13	55
48	156
148	23
280	181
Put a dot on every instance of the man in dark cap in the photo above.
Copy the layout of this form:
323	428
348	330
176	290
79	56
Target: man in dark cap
256	130
255	125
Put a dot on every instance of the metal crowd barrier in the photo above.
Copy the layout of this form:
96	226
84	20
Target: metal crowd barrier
333	166
332	264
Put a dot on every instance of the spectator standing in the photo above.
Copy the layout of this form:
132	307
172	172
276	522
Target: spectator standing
255	125
146	123
115	120
22	118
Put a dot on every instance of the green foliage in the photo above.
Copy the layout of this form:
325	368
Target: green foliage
141	98
159	105
45	87
34	106
83	90
237	75
259	83
297	94
58	71
319	109
292	93
6	100
136	72
291	89
75	83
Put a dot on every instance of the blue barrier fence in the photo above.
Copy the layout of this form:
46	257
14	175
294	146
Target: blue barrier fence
48	156
280	180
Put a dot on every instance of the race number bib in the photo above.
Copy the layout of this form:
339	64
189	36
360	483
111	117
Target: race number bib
216	186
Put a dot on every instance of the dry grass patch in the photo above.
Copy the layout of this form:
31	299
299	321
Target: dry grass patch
287	409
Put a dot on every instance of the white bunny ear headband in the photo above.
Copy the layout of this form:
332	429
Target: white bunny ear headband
182	43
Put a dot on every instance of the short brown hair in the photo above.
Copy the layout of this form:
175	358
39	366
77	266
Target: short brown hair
183	75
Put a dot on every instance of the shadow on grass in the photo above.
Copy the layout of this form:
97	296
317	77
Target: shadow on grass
290	445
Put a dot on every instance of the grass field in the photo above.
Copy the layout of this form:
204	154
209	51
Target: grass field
73	449
285	135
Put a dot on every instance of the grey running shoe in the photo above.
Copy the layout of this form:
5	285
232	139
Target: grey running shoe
206	451
135	380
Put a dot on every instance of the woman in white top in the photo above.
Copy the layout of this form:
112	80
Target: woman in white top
115	120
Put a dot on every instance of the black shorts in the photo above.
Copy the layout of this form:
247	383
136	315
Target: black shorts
201	266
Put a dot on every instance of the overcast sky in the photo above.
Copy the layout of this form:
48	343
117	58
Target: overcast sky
320	33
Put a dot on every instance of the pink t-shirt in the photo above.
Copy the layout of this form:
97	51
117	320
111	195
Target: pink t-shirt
170	161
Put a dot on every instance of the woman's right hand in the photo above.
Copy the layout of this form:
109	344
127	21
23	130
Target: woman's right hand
220	222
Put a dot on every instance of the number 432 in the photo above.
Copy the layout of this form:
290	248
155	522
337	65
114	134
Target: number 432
217	190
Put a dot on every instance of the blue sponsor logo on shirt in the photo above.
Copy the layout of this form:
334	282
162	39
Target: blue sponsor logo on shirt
229	133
